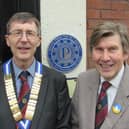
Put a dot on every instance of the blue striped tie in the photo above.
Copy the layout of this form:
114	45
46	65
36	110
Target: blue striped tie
24	92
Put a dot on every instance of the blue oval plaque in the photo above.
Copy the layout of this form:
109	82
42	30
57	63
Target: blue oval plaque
64	53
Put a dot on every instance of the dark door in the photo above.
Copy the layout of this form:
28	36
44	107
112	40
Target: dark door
6	10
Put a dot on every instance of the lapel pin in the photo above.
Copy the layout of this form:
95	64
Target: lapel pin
116	108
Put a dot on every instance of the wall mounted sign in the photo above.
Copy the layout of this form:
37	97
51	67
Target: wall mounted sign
64	53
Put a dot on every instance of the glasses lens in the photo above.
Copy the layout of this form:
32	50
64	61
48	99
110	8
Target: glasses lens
29	34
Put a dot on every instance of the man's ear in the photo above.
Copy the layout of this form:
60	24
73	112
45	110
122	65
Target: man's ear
7	40
39	41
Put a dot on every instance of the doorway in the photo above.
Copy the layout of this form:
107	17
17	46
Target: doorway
6	11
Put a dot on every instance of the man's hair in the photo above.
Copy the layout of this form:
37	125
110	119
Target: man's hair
107	29
24	17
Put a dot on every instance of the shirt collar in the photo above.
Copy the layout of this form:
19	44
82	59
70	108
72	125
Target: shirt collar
17	70
116	80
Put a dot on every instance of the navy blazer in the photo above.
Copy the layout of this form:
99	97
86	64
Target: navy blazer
53	106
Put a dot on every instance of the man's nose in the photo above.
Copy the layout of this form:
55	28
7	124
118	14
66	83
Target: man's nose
24	36
105	55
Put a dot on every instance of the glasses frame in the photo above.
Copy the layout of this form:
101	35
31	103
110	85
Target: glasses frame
31	35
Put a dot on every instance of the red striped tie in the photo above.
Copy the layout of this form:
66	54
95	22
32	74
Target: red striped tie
24	92
102	105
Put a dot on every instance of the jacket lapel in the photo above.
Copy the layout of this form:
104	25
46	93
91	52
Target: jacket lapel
11	123
41	100
122	99
89	102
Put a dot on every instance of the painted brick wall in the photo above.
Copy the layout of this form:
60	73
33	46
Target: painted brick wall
103	10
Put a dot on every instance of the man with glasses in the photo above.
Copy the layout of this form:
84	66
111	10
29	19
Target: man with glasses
44	101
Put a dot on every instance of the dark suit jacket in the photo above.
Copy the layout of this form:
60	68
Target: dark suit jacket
84	102
53	107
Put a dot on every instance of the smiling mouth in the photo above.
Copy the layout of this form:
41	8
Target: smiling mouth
23	49
106	67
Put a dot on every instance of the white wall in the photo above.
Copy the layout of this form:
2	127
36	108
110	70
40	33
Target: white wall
64	17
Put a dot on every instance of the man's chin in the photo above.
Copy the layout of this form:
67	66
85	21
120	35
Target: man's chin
107	76
24	59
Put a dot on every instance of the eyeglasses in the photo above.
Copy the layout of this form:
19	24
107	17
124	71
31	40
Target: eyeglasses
18	34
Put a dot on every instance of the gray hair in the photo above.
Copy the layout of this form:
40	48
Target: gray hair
107	29
24	17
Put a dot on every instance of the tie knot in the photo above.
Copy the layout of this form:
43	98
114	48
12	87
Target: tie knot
105	85
24	75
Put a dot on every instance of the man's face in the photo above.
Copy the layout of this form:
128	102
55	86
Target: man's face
108	56
23	40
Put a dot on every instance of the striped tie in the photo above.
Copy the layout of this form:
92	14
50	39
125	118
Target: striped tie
102	105
24	92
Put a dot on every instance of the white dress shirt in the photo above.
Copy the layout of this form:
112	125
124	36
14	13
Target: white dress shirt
112	90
